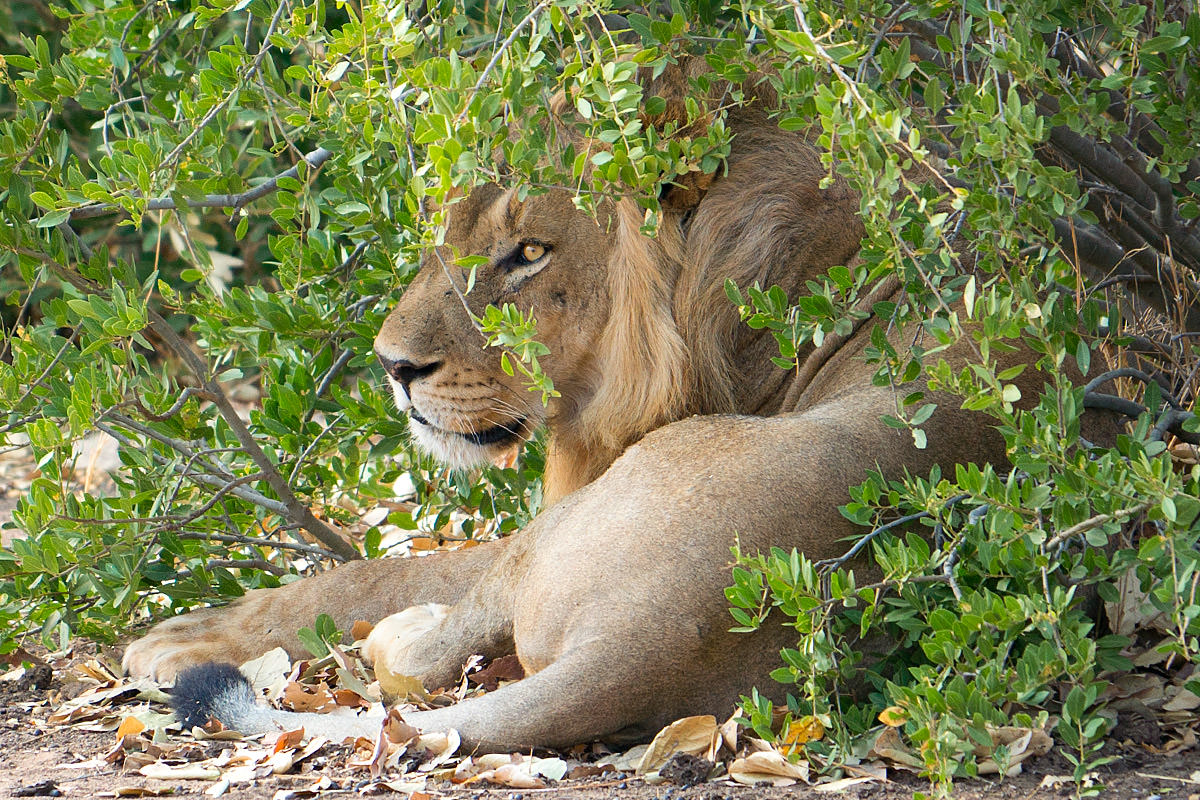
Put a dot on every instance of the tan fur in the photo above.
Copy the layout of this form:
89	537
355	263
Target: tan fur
612	597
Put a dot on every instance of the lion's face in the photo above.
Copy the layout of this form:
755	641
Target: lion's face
544	256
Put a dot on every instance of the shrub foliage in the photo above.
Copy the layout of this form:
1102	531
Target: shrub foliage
210	195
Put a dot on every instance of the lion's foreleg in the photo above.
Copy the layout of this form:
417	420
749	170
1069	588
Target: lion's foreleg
269	618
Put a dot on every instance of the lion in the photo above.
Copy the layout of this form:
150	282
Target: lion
672	436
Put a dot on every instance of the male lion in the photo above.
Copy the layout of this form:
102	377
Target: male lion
672	436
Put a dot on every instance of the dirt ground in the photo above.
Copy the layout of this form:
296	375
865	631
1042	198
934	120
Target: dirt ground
39	759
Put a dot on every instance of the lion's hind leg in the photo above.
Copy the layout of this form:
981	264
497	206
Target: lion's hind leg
579	698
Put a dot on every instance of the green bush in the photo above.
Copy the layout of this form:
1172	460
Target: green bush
211	195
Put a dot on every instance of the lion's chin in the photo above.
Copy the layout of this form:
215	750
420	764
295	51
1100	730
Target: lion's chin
465	450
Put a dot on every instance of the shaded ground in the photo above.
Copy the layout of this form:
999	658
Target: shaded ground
41	759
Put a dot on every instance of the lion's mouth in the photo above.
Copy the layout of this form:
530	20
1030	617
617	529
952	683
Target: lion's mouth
501	434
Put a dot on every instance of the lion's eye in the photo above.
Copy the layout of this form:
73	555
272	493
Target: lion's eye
531	252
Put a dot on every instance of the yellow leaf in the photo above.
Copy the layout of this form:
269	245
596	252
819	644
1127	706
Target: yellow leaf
130	726
799	732
893	716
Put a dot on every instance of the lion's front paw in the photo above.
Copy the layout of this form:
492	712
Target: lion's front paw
212	634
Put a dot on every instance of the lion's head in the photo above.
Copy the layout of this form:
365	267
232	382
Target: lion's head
639	330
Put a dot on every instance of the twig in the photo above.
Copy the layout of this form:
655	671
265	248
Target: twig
1094	522
1170	422
244	492
245	563
288	505
296	510
233	538
216	109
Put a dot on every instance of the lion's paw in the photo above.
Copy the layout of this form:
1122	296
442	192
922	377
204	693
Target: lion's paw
391	643
211	634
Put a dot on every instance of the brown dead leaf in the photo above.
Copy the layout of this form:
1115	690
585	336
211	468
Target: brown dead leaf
890	747
180	772
379	754
288	740
139	791
505	668
691	735
1183	701
94	669
135	761
348	698
269	672
299	697
1132	609
1022	744
768	766
360	630
397	730
514	771
729	735
397	688
442	747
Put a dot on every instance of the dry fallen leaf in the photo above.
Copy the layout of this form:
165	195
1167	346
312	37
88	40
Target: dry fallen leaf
288	740
1022	744
360	630
515	776
181	772
505	668
889	746
1183	701
269	672
298	697
843	784
691	735
767	766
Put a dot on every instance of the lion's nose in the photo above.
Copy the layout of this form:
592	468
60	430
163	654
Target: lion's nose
405	371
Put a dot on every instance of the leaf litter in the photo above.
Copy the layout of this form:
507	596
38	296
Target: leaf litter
1159	691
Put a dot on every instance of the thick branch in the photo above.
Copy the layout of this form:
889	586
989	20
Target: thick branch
296	510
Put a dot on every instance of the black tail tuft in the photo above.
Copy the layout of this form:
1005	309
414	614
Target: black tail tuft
206	690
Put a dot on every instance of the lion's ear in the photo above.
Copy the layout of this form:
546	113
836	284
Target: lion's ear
686	191
689	78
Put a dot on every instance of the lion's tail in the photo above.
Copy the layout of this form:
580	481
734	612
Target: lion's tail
217	690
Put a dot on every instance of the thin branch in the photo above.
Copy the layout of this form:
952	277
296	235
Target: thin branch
1171	421
500	51
314	159
296	510
245	563
1130	372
